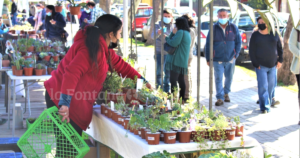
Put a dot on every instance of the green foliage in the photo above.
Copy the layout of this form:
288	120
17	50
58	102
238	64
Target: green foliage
30	42
237	120
221	122
39	66
59	3
165	154
154	125
257	4
113	83
43	54
18	65
166	122
266	155
5	57
129	83
27	63
21	61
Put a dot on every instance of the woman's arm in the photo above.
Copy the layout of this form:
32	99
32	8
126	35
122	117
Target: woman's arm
252	49
279	50
175	40
293	43
60	21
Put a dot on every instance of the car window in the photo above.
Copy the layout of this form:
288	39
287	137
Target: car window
149	21
144	12
245	22
205	26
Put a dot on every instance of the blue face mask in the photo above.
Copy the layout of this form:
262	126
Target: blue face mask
49	14
223	21
88	11
167	20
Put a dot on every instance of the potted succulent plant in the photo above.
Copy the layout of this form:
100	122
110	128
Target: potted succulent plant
19	70
157	154
28	69
58	6
217	132
5	61
38	46
166	124
74	9
39	70
129	89
30	45
22	45
200	133
45	56
113	84
153	136
239	127
27	56
52	66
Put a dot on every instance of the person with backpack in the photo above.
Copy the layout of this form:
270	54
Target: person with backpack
226	49
294	46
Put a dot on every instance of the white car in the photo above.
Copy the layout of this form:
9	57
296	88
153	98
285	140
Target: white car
215	12
205	26
185	10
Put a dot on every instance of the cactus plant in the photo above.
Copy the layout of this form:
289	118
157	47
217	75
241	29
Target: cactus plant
39	66
18	64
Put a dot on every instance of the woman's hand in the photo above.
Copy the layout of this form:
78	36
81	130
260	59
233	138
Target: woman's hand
175	30
64	112
52	22
148	85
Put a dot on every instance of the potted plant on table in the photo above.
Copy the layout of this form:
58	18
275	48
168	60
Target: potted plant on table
169	135
39	70
239	127
152	137
58	6
19	70
5	61
30	45
157	154
45	56
28	69
74	9
22	46
129	89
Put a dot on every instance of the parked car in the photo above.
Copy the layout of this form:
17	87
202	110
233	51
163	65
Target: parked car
185	10
205	25
141	17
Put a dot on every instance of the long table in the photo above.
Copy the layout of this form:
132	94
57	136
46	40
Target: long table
111	134
25	79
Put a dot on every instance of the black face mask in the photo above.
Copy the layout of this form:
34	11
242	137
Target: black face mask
262	26
113	45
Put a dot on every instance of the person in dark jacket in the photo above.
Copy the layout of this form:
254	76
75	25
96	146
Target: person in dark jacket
54	24
266	56
226	49
13	13
86	14
82	72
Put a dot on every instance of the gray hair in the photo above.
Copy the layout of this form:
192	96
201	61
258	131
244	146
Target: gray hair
222	10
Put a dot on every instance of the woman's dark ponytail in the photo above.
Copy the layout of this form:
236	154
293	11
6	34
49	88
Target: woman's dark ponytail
93	45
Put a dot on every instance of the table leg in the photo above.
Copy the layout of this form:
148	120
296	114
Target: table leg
98	149
1	80
6	92
28	98
8	100
14	102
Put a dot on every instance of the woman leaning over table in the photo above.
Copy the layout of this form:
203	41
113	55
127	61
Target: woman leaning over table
75	85
178	62
294	45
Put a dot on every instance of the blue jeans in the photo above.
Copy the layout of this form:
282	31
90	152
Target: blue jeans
266	78
226	68
166	79
14	19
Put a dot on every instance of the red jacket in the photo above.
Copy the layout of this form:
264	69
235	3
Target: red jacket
74	76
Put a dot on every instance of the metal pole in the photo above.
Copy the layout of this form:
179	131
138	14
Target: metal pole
125	27
199	50
155	56
211	55
136	59
162	44
131	8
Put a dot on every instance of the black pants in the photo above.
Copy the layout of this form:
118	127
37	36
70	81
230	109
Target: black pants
63	147
298	81
174	78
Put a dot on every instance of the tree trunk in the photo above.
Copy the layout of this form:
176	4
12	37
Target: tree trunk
130	21
105	5
284	74
156	10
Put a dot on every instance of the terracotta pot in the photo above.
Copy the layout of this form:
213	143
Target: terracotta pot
120	119
230	134
28	71
5	63
130	95
184	136
55	58
136	132
106	111
13	67
177	134
31	32
153	138
47	48
19	72
74	10
102	109
143	132
12	31
44	71
125	123
239	129
215	135
201	134
27	57
161	137
140	132
30	49
49	70
58	9
170	137
113	116
47	58
38	72
109	113
131	129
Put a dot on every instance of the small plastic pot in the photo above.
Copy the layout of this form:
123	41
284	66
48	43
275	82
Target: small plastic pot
239	129
109	113
5	63
103	108
38	72
230	134
136	131
143	132
200	134
19	72
215	135
170	137
28	71
125	123
184	136
55	58
153	138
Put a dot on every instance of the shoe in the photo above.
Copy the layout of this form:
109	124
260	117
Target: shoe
275	103
299	123
257	102
219	102
227	99
264	112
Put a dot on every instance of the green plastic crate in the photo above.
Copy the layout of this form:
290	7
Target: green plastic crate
85	136
44	145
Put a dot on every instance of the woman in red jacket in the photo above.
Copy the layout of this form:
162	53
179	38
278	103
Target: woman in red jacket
75	85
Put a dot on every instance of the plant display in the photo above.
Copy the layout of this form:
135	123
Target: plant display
129	83
113	83
39	66
30	42
18	67
27	63
43	54
59	3
154	125
158	154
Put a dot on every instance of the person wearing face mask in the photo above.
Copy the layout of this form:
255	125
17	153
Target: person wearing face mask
39	18
95	13
266	56
226	49
169	26
74	86
86	14
54	24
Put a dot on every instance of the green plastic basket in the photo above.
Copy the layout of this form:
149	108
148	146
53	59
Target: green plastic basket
53	139
85	136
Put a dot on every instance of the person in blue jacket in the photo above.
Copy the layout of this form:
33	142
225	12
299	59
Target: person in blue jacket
54	24
3	34
226	49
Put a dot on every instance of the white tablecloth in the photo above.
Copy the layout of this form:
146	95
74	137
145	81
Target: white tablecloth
111	134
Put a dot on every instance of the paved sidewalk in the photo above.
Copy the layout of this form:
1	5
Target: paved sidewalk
277	131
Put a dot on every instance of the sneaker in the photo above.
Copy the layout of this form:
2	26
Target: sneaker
275	103
227	99
257	102
264	112
219	102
